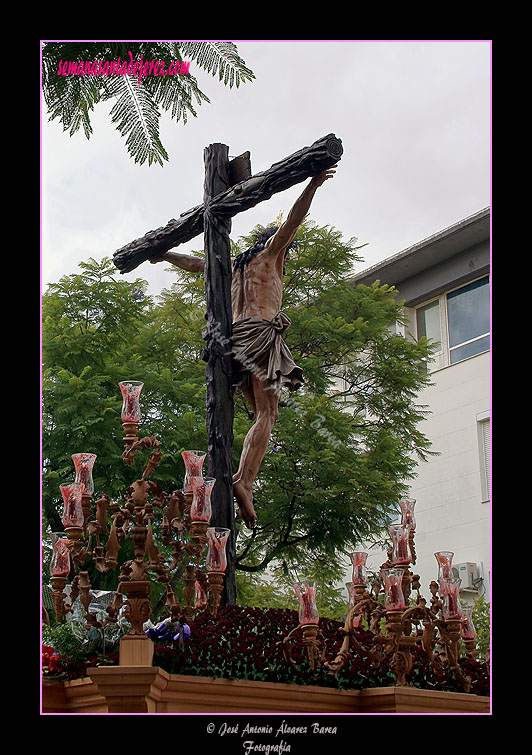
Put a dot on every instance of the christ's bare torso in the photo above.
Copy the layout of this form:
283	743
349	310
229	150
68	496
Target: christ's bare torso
257	288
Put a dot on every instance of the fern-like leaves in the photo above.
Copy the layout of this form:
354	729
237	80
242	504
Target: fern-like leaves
218	57
137	118
137	100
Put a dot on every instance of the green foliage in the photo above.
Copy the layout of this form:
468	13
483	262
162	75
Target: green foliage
276	591
90	324
76	648
341	454
140	99
75	643
481	621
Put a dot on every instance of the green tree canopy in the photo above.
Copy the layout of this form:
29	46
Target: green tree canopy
344	448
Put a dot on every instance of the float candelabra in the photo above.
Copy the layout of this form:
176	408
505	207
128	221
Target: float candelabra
97	530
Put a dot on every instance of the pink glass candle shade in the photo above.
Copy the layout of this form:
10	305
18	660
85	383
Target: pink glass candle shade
200	510
193	466
450	592
444	559
200	597
306	593
83	464
467	629
72	508
394	599
401	553
216	557
407	513
360	574
351	593
130	400
60	562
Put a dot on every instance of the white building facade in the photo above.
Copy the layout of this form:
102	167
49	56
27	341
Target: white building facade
445	284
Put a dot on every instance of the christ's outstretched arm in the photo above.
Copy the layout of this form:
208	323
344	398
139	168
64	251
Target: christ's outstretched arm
280	240
184	261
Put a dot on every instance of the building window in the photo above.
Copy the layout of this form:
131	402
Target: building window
468	316
428	323
484	447
458	322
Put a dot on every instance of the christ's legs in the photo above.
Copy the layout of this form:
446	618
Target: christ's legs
250	398
255	446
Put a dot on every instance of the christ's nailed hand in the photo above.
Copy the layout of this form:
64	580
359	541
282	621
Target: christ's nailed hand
320	178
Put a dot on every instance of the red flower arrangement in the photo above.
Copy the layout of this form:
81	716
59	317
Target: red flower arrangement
244	643
51	661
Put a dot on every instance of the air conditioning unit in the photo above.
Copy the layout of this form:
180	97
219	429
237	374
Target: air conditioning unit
469	574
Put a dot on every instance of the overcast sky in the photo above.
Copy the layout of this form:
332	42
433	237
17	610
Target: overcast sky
414	118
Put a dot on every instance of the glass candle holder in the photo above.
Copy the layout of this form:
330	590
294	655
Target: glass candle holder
83	464
394	599
349	586
72	508
407	513
467	629
450	592
306	593
200	510
130	400
200	597
217	540
60	562
193	466
360	574
444	559
401	553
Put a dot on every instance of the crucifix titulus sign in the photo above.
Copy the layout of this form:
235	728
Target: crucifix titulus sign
229	189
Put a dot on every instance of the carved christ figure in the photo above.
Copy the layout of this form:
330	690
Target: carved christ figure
262	362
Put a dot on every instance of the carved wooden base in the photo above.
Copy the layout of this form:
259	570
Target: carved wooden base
74	533
451	638
359	591
85	598
198	538
313	645
75	545
401	661
471	648
131	430
411	543
453	627
137	607
119	689
136	650
189	591
58	597
86	506
394	622
216	586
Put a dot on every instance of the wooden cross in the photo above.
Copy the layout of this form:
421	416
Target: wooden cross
229	188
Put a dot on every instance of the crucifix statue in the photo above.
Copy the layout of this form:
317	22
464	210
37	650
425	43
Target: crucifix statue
244	346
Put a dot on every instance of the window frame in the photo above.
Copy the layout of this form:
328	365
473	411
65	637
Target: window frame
442	358
471	340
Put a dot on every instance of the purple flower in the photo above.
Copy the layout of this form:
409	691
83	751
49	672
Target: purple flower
186	633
